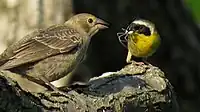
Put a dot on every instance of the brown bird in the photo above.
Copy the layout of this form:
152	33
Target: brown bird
49	54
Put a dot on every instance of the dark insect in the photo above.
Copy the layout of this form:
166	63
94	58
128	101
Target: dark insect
123	37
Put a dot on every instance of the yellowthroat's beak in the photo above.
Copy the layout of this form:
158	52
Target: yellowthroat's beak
130	32
101	24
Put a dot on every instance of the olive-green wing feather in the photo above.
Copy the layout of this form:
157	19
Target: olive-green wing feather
156	43
40	45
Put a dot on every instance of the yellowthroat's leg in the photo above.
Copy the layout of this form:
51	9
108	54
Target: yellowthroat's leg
128	58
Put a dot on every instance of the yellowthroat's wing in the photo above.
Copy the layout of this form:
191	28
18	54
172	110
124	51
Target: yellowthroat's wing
40	45
156	43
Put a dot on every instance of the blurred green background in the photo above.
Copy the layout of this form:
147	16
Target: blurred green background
194	6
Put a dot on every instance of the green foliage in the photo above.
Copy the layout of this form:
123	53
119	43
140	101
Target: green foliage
194	6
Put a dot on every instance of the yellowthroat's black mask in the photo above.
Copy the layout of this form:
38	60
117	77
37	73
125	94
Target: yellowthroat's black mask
141	29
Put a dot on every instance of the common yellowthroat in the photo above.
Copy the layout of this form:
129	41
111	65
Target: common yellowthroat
142	39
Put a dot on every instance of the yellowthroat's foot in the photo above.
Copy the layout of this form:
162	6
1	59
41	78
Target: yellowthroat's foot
136	63
128	60
139	63
146	62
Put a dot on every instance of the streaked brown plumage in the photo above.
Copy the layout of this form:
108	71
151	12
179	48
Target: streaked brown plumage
49	54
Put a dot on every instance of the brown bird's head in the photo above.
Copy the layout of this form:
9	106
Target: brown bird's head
88	22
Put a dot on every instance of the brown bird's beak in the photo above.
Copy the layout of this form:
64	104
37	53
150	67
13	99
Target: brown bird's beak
101	24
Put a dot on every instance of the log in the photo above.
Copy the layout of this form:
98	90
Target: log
138	88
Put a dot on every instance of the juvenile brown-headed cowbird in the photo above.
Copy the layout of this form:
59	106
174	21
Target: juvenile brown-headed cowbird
49	54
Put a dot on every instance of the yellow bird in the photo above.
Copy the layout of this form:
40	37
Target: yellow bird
142	39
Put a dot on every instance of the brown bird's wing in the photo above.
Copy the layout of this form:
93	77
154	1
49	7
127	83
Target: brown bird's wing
41	44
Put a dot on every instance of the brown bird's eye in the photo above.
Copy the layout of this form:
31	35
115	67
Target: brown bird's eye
90	20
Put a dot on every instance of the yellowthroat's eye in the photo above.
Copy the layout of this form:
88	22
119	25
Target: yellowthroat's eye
144	30
90	20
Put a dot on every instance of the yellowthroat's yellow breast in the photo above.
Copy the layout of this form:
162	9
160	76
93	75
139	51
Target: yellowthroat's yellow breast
143	46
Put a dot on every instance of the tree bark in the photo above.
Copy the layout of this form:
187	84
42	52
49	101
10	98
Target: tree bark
133	88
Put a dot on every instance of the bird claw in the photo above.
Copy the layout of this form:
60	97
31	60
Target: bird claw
134	62
138	63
